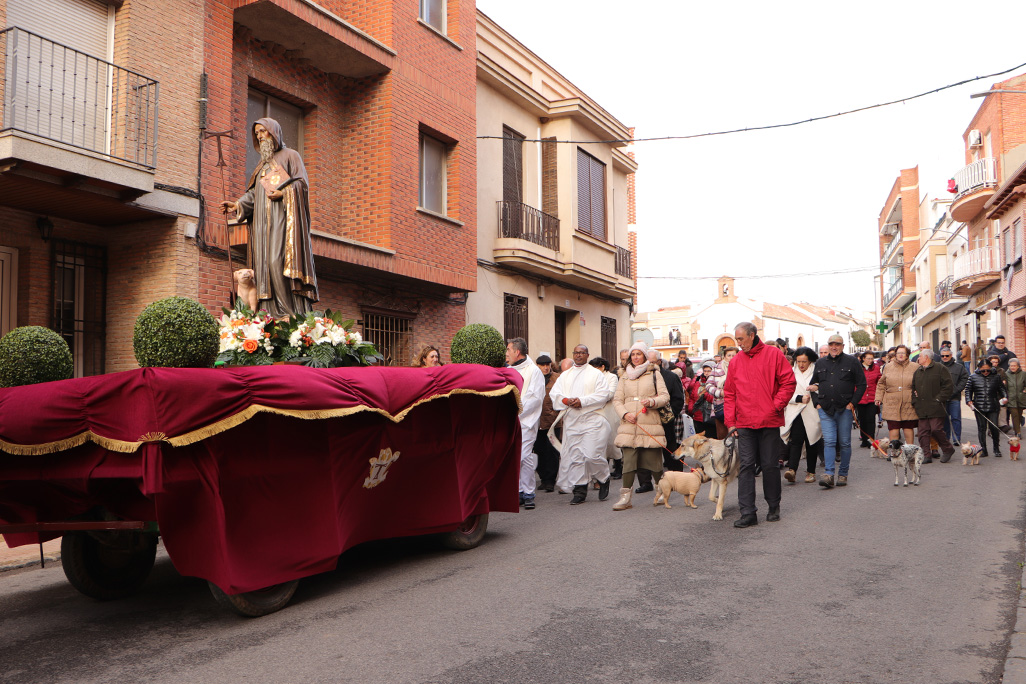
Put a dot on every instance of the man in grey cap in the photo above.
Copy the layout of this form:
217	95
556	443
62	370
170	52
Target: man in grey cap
838	383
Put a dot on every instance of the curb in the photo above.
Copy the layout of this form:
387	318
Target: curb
1015	660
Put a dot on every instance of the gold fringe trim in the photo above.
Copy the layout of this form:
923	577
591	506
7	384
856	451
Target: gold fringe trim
233	421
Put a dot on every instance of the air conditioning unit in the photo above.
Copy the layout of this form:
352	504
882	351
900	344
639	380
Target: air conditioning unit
975	139
889	228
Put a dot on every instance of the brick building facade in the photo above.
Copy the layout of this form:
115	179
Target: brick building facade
370	91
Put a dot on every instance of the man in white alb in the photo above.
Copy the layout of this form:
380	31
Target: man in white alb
582	391
531	396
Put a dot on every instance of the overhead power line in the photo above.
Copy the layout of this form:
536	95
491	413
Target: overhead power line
770	126
841	271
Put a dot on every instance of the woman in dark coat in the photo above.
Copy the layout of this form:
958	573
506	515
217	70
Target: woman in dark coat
984	394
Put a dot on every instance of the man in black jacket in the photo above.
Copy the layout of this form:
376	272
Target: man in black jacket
838	383
984	394
1001	351
959	378
931	388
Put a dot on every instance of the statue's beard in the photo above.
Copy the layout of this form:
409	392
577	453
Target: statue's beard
266	150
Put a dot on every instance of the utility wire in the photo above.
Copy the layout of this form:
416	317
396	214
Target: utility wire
841	271
770	126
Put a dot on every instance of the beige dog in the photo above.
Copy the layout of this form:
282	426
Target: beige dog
971	454
686	484
720	465
245	287
1013	447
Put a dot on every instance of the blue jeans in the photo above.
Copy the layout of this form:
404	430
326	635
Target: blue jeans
836	429
953	426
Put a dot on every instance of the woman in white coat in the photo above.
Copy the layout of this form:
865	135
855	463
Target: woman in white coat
801	419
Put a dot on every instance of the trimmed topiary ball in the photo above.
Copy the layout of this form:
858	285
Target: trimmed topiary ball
175	333
32	354
478	343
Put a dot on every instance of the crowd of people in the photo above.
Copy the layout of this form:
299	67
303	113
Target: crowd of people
587	423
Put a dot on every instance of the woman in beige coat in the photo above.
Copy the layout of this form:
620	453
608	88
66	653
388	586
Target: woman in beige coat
894	395
639	394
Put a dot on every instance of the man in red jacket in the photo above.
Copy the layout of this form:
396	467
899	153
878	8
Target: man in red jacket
759	384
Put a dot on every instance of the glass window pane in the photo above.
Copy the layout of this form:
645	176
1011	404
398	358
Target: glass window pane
256	108
290	118
433	12
432	175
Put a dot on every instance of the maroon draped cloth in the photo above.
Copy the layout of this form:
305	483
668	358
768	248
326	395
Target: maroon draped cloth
261	475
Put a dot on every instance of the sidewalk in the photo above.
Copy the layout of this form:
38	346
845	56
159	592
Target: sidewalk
23	556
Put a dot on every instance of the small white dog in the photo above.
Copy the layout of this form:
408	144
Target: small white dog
906	457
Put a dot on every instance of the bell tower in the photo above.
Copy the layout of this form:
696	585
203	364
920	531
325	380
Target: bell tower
725	290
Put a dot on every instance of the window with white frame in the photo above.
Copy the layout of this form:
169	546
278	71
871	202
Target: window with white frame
432	13
433	157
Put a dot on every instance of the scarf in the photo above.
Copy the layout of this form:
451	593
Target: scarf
635	372
808	412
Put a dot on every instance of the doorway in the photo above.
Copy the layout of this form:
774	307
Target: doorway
560	349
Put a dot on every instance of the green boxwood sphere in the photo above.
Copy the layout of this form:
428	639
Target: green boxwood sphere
32	354
175	333
478	343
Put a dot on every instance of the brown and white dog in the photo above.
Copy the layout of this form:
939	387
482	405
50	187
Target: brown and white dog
971	454
720	464
686	484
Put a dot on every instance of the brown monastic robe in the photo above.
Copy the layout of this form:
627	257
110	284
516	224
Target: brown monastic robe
279	236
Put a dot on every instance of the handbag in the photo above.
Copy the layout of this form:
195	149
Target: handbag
665	412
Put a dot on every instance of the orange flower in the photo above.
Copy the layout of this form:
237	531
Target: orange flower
249	346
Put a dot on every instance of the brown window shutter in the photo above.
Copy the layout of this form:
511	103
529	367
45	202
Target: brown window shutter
598	199
583	191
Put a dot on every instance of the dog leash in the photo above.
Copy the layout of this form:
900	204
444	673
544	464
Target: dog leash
873	440
644	409
998	427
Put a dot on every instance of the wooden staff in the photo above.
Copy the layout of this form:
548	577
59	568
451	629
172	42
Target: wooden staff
227	229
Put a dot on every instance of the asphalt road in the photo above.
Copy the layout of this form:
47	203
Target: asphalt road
871	583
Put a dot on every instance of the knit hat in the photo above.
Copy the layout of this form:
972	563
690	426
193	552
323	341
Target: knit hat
639	345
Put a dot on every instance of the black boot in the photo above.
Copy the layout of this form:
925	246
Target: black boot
774	514
581	493
617	471
747	520
604	489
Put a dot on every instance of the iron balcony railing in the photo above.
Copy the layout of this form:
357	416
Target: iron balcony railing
945	289
623	262
519	220
976	262
67	96
892	247
980	174
894	289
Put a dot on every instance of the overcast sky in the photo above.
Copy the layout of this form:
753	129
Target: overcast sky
787	201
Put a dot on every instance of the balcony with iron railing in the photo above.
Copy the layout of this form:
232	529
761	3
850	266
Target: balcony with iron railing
623	262
892	249
974	184
945	298
975	270
523	222
66	96
892	292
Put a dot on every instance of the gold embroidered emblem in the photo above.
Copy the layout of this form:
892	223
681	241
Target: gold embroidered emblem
379	468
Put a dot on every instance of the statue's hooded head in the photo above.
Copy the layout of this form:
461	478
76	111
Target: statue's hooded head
273	127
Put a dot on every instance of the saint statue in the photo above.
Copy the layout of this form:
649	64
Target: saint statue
277	206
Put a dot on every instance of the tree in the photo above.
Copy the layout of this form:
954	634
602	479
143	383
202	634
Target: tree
860	338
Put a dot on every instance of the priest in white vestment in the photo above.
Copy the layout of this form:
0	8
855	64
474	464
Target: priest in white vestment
582	392
531	396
